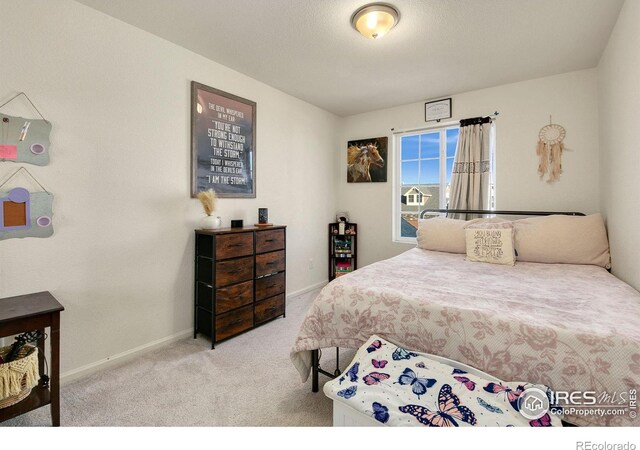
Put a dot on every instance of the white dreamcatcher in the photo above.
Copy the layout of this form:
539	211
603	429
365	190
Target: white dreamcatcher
549	151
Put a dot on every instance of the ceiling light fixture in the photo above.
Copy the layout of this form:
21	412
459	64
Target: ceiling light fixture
375	20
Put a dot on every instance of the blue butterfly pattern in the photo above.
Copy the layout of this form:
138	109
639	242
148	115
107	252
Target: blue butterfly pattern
353	372
401	353
348	392
380	412
419	386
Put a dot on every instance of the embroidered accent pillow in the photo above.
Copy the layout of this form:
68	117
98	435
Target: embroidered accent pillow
491	243
441	234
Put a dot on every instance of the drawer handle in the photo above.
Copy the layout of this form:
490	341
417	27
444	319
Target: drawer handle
272	285
272	263
235	322
269	240
236	245
270	309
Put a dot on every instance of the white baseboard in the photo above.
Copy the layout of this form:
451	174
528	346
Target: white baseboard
313	287
121	357
136	351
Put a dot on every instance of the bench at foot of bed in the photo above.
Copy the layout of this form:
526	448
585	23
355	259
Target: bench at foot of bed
389	385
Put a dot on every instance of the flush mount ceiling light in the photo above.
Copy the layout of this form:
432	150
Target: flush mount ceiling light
375	20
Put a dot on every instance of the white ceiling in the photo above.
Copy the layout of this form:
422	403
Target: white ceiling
308	49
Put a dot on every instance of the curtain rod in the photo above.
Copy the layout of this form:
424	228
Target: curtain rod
493	116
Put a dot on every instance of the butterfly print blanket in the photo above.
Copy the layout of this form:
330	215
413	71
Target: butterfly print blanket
570	327
418	390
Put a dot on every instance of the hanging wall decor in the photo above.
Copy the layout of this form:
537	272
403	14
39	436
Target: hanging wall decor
549	151
23	213
223	143
437	110
24	140
366	160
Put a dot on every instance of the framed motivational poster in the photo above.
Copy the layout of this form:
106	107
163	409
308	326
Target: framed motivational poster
223	143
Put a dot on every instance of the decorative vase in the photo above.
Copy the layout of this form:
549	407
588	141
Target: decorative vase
211	222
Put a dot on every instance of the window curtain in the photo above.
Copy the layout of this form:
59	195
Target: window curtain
471	174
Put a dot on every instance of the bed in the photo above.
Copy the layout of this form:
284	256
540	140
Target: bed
571	327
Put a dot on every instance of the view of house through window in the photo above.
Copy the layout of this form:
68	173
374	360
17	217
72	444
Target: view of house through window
426	160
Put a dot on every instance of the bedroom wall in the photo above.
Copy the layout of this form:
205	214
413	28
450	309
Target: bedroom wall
524	108
121	258
619	96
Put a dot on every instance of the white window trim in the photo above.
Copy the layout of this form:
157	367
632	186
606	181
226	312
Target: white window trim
397	185
493	202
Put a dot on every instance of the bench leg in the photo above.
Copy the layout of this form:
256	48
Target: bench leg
314	370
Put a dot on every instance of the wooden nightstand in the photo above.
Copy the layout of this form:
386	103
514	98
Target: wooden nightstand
29	313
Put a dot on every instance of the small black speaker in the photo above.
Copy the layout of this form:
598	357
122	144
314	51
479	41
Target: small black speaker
263	215
236	223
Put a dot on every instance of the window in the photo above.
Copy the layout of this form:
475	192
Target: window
423	165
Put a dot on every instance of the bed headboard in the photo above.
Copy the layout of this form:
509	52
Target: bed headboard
485	212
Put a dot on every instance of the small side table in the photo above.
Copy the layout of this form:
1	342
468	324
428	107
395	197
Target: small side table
28	313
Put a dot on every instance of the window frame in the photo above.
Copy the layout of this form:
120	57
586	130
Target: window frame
397	178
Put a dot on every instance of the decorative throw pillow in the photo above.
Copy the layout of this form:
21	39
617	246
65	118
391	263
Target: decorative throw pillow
491	242
446	235
561	239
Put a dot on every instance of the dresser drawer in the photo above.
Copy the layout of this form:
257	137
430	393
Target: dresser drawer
234	245
234	271
267	263
234	296
234	322
268	241
270	308
269	286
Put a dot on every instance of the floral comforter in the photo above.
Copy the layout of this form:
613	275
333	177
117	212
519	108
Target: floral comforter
570	327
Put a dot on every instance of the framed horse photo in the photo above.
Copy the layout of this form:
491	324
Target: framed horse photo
367	160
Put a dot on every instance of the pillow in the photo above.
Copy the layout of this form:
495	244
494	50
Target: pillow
491	242
563	239
446	235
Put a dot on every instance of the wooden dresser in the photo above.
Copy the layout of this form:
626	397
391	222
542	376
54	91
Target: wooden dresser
240	279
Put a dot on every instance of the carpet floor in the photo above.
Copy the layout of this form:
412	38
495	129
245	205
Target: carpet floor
248	380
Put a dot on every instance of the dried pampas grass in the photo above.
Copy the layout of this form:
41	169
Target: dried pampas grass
208	200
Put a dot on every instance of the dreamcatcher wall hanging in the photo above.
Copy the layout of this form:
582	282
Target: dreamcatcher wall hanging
549	151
